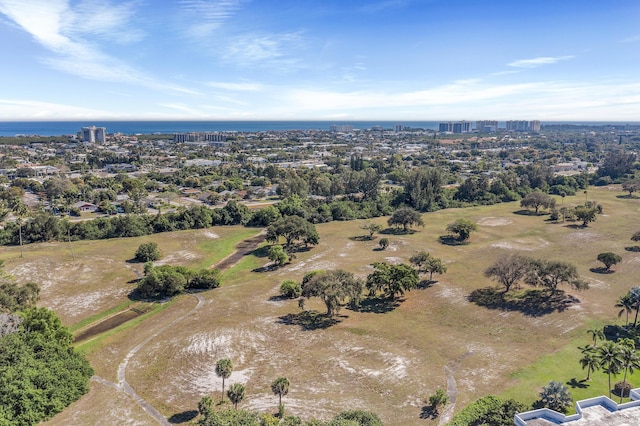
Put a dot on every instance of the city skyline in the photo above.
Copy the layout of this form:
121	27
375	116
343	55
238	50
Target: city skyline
312	60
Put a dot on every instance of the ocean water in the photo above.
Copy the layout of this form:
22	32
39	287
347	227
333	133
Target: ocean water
57	128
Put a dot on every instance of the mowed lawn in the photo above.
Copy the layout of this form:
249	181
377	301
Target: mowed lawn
384	360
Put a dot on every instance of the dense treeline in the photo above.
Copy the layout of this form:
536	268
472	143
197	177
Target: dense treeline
352	192
44	227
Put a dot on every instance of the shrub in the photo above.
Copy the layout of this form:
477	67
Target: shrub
205	279
438	399
555	396
622	388
488	410
278	255
384	243
147	252
290	289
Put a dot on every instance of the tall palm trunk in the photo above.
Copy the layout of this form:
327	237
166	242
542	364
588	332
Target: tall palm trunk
624	381
20	234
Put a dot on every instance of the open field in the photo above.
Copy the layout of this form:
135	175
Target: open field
387	362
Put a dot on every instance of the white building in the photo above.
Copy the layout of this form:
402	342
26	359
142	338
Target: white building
94	134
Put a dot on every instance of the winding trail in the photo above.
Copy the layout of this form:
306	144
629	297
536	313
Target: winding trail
243	248
125	387
452	389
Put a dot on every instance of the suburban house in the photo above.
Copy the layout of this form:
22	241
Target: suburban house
85	207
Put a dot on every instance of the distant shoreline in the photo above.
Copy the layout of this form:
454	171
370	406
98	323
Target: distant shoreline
59	128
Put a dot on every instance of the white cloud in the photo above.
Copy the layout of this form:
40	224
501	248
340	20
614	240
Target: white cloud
536	62
237	87
209	14
270	50
61	30
104	19
30	110
471	98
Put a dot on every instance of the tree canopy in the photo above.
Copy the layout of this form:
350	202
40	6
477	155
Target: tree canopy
334	288
293	228
551	274
391	279
609	259
463	228
40	372
537	199
147	252
405	217
508	270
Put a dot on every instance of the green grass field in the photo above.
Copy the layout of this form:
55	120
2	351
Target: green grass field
384	361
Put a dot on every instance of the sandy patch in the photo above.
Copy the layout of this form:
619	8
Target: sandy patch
211	235
583	236
455	295
595	283
314	263
345	250
393	260
494	221
82	303
176	257
632	260
205	380
524	245
392	367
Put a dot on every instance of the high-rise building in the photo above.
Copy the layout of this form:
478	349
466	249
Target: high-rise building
455	127
94	134
523	125
211	137
342	128
487	126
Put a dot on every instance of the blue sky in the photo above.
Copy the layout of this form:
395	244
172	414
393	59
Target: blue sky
320	59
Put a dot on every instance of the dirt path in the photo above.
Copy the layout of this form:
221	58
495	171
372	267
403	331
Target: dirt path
452	389
125	387
243	248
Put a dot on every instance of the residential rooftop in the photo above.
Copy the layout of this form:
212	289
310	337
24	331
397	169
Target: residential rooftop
597	411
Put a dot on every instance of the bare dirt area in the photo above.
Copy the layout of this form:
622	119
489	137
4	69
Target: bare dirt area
494	221
241	249
384	360
103	406
71	289
111	322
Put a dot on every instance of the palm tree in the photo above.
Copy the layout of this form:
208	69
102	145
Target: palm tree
627	304
589	360
610	358
555	396
596	333
224	367
236	394
20	211
635	296
630	360
280	387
